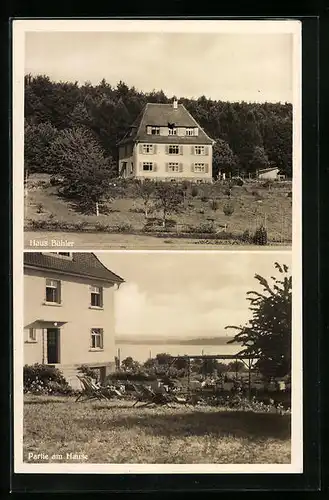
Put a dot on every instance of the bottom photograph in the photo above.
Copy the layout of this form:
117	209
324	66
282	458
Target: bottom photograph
157	358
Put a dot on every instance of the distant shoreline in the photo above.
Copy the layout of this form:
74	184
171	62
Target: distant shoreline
168	341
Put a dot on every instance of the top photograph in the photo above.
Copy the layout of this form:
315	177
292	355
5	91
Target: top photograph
156	135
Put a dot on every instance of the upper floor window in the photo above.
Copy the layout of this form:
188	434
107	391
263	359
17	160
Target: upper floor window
155	130
53	291
147	148
96	341
173	149
172	131
189	131
199	150
96	296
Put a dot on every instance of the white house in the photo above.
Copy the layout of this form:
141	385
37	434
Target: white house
166	143
69	312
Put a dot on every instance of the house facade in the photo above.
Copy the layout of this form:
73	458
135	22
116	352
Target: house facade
69	312
271	173
166	143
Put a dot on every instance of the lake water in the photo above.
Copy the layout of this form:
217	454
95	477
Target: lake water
142	352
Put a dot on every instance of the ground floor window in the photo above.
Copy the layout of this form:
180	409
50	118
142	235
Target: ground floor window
147	166
30	335
97	338
173	167
199	167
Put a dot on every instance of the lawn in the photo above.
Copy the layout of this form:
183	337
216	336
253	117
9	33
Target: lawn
114	432
253	204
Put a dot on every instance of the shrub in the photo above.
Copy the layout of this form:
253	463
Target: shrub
246	236
44	379
194	191
204	198
123	228
237	181
38	224
80	225
214	205
88	372
227	192
40	209
100	226
228	209
260	236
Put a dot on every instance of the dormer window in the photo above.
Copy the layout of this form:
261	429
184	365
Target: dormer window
155	130
172	131
189	131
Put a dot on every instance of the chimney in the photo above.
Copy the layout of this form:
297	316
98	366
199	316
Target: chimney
175	103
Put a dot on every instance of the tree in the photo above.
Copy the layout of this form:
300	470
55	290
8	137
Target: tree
168	198
259	159
267	335
145	189
208	366
224	160
80	160
38	139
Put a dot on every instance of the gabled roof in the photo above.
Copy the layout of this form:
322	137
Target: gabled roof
81	264
269	169
155	114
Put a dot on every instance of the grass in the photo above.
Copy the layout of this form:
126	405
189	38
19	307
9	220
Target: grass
114	432
250	201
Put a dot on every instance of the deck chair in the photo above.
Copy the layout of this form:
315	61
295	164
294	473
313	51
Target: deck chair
147	396
89	390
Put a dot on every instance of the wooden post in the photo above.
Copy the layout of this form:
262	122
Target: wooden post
97	209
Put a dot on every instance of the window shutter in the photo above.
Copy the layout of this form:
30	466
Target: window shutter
180	150
167	149
167	167
206	150
181	167
154	167
141	148
196	131
140	165
154	149
192	150
192	167
206	168
148	130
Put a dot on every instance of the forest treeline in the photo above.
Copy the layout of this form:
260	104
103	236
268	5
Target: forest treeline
92	118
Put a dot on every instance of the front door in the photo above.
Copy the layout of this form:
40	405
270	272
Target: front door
52	345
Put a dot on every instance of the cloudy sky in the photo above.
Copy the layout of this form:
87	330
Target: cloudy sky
225	66
186	294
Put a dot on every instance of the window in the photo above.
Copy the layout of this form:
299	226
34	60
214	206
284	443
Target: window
96	296
147	166
173	131
173	150
199	150
96	338
199	167
155	130
53	291
189	131
173	167
31	335
147	148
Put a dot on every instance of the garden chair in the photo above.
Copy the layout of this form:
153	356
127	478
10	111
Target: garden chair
147	396
89	390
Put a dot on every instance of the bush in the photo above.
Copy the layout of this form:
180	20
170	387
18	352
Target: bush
123	228
204	198
194	191
38	224
237	181
246	236
40	209
44	379
228	209
88	372
214	205
260	236
100	226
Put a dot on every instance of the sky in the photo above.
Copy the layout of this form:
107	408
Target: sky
223	66
186	294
